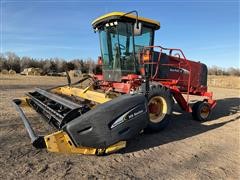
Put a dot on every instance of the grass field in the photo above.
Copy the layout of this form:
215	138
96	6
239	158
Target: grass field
224	81
185	150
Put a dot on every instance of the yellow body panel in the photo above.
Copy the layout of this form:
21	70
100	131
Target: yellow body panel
129	16
83	93
116	147
60	142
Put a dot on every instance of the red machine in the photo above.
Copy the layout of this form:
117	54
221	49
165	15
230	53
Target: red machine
135	90
126	65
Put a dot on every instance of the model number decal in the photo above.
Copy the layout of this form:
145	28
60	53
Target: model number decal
134	114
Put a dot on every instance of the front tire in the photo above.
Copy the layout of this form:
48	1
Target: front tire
160	103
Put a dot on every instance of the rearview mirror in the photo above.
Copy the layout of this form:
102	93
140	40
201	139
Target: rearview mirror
137	29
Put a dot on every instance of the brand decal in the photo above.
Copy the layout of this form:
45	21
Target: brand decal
132	113
179	70
130	116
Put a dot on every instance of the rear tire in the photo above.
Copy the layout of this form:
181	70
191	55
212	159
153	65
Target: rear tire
160	103
201	111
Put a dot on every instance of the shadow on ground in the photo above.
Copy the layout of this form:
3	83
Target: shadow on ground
182	126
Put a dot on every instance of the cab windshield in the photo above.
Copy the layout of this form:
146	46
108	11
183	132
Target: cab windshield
119	47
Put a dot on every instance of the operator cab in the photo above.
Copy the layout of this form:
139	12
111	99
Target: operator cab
122	37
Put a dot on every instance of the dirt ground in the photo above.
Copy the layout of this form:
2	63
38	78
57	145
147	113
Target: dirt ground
185	150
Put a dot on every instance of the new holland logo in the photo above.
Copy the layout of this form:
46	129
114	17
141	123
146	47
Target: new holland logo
136	111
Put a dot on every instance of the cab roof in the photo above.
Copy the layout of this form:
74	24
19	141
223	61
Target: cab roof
123	16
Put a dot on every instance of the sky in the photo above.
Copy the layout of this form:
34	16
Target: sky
206	31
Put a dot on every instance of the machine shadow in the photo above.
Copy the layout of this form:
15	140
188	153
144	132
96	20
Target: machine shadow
225	107
182	126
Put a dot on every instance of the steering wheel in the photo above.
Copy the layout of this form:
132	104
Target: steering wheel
121	47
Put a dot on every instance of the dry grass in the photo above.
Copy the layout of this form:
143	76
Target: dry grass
232	82
185	150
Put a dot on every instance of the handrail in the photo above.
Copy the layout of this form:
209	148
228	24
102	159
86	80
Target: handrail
179	66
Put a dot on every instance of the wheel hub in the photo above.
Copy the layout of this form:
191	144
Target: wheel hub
157	107
204	112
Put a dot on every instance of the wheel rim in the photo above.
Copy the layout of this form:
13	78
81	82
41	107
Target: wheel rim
204	112
157	108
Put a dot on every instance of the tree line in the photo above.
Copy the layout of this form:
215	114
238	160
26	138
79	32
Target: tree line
10	60
215	70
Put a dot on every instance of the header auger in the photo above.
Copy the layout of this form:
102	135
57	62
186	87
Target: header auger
134	91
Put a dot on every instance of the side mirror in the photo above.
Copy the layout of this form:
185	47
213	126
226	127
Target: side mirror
137	29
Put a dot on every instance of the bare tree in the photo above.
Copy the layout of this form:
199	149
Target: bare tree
91	65
13	61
